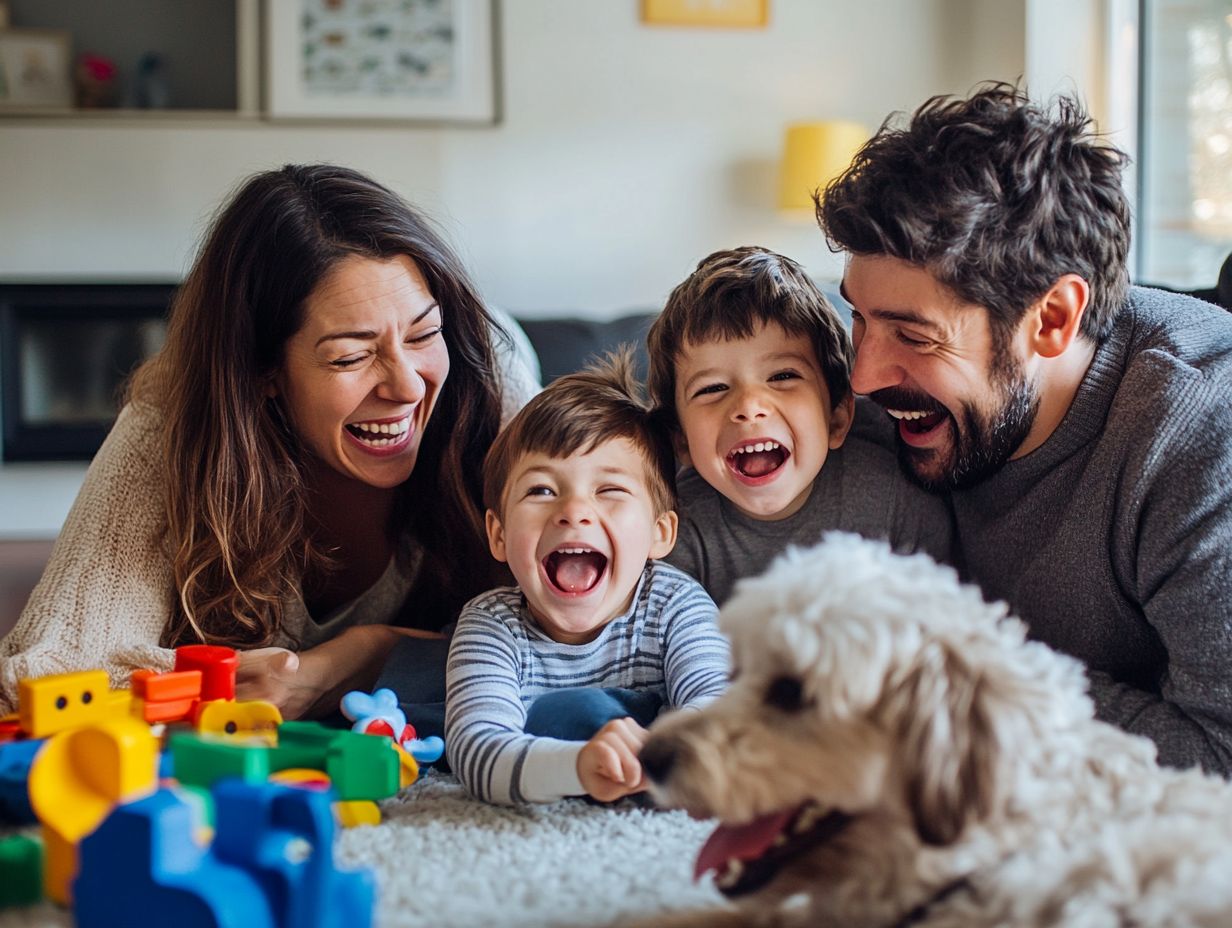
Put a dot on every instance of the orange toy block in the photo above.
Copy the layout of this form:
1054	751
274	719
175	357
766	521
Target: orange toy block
165	697
56	703
254	718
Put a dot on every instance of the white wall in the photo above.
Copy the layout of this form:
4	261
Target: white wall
625	154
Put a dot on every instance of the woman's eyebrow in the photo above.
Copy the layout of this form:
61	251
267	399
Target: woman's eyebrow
368	333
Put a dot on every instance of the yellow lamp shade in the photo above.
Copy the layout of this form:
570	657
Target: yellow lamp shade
814	153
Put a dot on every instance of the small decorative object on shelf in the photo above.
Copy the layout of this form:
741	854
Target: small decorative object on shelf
97	80
152	89
4	14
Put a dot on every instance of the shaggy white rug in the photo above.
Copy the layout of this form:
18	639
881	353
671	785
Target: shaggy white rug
444	860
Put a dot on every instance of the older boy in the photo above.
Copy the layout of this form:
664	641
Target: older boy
550	684
751	363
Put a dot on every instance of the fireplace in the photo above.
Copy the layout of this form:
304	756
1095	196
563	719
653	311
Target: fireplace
65	353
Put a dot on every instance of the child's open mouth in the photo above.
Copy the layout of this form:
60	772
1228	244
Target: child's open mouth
574	569
757	459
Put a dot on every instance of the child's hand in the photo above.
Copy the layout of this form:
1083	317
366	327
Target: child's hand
608	766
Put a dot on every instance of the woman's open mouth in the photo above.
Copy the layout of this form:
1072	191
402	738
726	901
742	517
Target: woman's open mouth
381	436
746	857
574	570
757	462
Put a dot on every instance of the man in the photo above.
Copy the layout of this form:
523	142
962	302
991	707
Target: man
1082	428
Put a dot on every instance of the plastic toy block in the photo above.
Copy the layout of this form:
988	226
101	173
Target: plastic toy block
143	864
16	757
358	766
302	777
408	767
357	812
242	719
10	728
285	837
271	864
77	778
165	697
56	703
21	871
217	665
202	761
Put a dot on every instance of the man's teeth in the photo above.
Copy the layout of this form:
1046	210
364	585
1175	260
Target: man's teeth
757	446
907	414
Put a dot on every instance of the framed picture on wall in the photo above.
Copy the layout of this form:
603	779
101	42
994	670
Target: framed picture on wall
420	60
34	69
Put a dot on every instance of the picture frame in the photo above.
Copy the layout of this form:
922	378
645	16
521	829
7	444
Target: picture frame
414	60
35	69
732	14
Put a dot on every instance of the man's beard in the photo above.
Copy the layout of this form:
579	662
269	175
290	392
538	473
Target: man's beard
982	445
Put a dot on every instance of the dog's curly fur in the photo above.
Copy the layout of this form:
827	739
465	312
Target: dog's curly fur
980	788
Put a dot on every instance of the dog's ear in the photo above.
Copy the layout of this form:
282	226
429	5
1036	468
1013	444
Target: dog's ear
947	744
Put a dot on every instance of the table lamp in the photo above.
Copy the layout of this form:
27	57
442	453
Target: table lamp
814	153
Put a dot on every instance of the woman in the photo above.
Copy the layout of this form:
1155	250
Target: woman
298	470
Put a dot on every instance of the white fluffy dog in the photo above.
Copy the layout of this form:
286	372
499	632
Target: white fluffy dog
893	751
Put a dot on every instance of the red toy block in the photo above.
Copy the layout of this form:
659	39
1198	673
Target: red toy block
165	697
217	664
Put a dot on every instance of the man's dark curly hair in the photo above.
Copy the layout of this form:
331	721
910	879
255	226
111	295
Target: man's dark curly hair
996	197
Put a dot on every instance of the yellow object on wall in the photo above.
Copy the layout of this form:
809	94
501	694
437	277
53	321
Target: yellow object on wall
814	153
730	13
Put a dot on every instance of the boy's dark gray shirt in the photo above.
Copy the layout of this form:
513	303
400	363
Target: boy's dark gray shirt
1113	540
860	489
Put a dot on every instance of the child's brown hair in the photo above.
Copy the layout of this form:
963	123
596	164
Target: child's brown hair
729	294
576	413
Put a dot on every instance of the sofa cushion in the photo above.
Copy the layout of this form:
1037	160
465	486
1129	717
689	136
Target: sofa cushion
567	343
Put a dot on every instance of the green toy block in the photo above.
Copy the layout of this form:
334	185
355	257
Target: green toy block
200	761
21	871
359	766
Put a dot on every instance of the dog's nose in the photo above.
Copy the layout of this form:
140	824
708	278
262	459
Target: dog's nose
658	755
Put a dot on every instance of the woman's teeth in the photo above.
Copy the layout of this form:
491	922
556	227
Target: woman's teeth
379	434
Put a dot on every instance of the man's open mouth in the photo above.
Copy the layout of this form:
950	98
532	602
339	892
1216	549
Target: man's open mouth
574	569
746	857
757	459
918	421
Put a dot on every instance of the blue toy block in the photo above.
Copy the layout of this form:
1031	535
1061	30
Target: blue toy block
143	864
284	836
271	864
15	760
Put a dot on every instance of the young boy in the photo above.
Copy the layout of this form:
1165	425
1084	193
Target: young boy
751	364
550	684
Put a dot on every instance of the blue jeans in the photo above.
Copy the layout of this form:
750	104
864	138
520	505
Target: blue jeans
576	714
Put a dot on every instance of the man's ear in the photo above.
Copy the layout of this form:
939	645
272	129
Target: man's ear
496	536
664	535
841	417
1055	320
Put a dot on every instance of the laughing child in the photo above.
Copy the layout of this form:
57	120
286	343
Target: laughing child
550	684
751	365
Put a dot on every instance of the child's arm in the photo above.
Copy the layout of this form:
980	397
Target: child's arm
696	656
608	766
484	720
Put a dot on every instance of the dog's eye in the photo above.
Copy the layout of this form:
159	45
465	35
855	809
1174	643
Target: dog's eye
786	694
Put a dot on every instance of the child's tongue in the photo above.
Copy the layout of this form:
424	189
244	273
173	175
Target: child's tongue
758	463
576	573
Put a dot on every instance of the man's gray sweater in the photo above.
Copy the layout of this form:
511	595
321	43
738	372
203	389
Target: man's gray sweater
1113	540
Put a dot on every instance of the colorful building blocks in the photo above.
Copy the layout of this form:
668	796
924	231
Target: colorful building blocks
16	757
252	719
271	864
199	761
165	697
218	666
21	871
77	778
61	701
358	766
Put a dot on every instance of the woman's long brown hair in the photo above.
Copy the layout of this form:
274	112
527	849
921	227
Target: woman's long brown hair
237	513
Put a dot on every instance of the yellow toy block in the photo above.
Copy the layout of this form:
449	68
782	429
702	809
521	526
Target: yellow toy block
241	719
408	767
352	813
77	779
47	705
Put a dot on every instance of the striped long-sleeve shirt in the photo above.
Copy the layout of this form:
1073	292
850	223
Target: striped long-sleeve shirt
500	661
